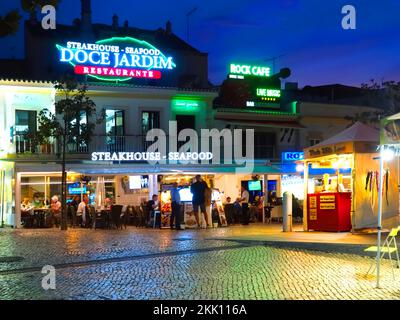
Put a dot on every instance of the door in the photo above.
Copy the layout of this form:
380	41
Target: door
25	128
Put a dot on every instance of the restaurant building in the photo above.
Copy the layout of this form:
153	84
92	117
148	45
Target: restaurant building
143	79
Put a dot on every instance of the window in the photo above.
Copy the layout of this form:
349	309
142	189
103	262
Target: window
314	142
115	129
264	143
78	137
25	122
150	120
25	126
185	122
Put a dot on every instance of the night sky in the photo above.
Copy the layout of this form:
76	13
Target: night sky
306	34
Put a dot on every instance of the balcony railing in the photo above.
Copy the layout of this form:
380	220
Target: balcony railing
80	148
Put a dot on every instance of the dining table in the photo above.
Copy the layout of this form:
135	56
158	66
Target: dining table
39	216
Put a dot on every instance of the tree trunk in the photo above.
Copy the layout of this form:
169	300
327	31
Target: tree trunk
63	223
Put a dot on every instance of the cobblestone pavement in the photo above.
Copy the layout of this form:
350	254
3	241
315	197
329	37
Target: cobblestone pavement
166	264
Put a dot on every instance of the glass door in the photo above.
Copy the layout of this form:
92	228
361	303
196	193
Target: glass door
115	130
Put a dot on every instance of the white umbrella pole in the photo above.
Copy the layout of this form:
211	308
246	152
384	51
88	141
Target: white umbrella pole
378	252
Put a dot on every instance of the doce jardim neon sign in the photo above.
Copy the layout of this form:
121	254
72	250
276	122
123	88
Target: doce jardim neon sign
117	58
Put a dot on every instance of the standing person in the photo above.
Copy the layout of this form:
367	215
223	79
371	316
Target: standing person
83	210
244	200
207	202
198	189
76	200
176	207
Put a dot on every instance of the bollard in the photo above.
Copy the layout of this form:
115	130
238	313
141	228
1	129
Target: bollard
287	211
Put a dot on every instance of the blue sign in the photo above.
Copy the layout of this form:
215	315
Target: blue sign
292	156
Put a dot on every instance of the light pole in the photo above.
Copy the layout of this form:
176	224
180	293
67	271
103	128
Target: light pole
273	59
378	252
386	154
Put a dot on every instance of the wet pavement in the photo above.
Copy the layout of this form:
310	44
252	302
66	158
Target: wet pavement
225	263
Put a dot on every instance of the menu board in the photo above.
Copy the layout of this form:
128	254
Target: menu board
189	218
313	207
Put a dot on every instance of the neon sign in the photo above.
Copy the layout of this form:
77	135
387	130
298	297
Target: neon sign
268	94
263	92
117	58
240	70
292	156
186	105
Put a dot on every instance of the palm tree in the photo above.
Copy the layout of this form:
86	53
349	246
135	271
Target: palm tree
9	24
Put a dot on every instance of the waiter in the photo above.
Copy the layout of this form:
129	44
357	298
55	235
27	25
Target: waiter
244	201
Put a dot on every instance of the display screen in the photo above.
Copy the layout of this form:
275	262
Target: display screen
76	189
138	182
255	185
185	194
135	182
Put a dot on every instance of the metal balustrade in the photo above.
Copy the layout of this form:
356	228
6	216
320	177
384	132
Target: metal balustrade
24	145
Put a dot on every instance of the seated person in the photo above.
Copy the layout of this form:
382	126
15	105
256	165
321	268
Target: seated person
26	206
26	213
55	208
237	215
152	207
37	203
228	200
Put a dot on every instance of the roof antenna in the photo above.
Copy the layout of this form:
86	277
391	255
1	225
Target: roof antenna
187	22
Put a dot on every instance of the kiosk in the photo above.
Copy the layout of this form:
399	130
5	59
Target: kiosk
341	177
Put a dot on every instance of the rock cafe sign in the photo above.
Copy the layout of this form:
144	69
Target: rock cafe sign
118	58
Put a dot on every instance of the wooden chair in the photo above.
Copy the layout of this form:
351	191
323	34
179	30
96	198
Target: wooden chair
100	220
116	212
133	215
124	216
143	216
229	212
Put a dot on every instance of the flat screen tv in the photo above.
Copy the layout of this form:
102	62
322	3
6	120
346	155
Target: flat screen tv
186	195
135	182
255	185
76	188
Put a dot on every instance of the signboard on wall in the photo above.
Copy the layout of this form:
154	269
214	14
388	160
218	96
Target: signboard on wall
116	58
340	148
239	71
292	156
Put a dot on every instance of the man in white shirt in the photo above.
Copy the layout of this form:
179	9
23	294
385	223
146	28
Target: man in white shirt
244	200
81	212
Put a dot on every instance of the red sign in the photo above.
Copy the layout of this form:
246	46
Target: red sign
117	72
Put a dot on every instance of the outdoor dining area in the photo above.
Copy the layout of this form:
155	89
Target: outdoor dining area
93	209
86	215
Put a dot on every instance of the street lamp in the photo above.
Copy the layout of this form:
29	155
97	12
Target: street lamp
386	154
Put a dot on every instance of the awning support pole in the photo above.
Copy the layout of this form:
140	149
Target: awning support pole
378	252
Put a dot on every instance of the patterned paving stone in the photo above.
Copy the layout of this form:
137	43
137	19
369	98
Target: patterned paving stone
150	264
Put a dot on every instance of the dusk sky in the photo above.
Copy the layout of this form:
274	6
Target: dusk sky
306	34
